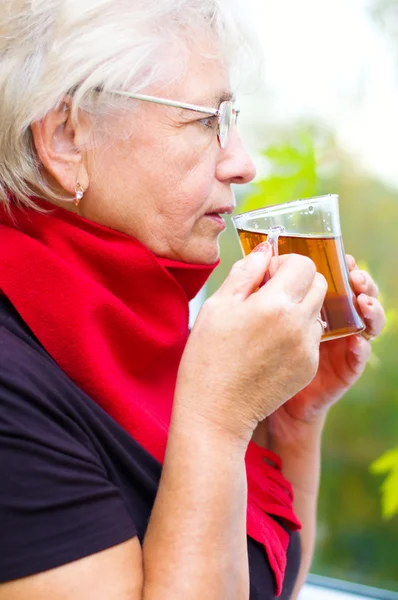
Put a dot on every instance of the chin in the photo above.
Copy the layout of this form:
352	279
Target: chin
205	252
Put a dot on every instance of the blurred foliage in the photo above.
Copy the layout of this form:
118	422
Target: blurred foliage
388	463
354	542
293	173
385	12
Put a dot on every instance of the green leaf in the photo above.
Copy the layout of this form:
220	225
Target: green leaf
293	174
385	463
388	463
390	495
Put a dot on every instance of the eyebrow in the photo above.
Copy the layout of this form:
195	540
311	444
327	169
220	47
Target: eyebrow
217	99
214	101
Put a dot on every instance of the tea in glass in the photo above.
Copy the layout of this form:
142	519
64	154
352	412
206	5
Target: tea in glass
311	228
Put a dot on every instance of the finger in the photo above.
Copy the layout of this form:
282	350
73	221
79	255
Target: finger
275	263
372	313
318	328
313	301
248	273
351	263
273	267
294	276
363	283
358	353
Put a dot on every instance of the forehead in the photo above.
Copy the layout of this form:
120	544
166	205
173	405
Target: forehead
207	78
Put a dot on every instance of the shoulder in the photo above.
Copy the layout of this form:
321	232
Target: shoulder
37	400
21	354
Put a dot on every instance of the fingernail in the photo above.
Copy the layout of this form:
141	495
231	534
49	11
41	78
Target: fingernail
263	247
356	342
353	342
363	278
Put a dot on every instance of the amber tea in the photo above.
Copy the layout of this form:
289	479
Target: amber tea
339	310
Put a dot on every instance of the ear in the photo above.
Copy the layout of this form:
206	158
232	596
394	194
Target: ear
58	142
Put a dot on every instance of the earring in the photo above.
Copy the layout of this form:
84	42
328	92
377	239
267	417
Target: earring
79	194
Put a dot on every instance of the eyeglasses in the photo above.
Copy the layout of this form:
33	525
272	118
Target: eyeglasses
227	115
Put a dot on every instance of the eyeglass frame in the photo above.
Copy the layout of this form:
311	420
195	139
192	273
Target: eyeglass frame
215	112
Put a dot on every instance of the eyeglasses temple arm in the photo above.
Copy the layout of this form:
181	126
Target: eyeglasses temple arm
154	100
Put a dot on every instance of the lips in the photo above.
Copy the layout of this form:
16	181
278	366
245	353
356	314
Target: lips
222	210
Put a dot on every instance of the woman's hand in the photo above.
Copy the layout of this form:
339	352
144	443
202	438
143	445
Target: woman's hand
341	363
252	347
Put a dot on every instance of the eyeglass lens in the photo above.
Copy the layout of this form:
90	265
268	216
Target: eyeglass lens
225	122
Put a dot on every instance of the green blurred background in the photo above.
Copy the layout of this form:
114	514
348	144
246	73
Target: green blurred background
357	536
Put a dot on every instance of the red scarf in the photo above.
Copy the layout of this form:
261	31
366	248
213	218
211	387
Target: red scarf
115	319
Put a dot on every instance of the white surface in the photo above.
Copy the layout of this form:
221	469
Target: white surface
195	306
312	592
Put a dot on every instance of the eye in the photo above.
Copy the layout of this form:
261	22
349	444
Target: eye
210	122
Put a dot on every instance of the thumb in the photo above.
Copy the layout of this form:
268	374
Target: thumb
247	275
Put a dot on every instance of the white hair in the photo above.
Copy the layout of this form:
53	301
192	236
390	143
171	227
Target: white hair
49	48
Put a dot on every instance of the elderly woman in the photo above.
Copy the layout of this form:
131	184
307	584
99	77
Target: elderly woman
134	464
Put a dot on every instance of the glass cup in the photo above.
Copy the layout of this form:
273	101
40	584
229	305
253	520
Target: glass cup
310	227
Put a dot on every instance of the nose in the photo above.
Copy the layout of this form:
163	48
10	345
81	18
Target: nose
235	165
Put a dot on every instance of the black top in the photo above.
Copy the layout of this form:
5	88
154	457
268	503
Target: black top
72	481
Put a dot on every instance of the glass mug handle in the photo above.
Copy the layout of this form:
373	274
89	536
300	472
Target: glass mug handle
273	238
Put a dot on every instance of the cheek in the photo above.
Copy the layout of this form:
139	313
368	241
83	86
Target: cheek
156	192
194	181
176	175
189	201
